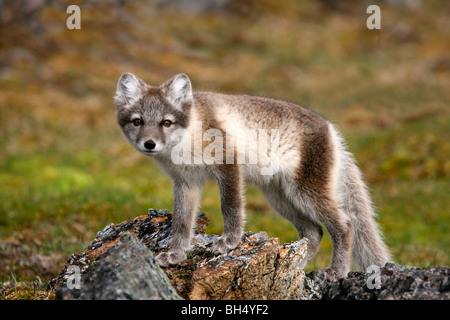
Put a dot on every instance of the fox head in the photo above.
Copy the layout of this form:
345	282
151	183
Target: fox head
149	115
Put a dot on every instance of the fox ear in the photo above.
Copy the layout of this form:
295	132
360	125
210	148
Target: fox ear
129	90
178	90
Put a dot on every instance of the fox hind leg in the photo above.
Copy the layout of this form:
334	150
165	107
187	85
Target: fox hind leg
305	226
339	227
306	214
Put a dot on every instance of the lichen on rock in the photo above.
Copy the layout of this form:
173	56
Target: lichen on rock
259	268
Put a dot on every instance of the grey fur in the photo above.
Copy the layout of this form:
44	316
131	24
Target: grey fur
315	180
354	200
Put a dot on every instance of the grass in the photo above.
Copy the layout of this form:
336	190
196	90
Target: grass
66	171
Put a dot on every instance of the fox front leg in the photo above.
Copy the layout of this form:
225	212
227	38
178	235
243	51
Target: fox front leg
186	199
232	205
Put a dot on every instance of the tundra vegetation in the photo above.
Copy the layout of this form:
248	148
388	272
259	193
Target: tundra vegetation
66	172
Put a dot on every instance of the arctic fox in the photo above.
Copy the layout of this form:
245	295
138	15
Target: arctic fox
295	156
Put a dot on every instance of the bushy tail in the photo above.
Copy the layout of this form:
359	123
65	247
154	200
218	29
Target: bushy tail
354	200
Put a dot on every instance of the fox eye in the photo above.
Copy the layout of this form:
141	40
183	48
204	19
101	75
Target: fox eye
167	123
137	122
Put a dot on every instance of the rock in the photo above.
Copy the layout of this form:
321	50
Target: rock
119	264
396	282
128	271
257	269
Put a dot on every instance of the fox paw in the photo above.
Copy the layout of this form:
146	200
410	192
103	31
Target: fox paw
332	274
171	257
223	244
328	273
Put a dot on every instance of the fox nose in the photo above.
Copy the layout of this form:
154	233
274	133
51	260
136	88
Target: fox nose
150	144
